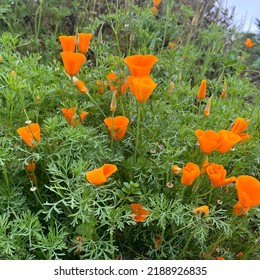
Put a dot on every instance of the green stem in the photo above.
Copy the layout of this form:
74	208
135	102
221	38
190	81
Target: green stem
94	101
185	246
122	105
137	129
112	131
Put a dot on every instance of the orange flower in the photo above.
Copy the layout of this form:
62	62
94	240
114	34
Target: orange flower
114	84
239	126
239	255
84	41
189	173
139	212
69	114
80	85
156	3
100	85
68	43
224	91
207	108
249	43
217	175
202	209
154	10
220	258
158	240
208	140
248	192
99	176
227	140
117	126
141	87
30	166
140	65
205	166
202	90
176	169
30	134
72	62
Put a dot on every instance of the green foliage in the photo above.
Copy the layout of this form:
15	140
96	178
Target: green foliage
53	212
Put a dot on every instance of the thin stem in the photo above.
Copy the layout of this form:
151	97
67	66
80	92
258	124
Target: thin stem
137	129
112	131
94	101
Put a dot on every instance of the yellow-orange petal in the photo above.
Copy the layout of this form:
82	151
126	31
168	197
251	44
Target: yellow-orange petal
100	175
202	209
30	134
202	90
72	62
84	41
139	212
68	43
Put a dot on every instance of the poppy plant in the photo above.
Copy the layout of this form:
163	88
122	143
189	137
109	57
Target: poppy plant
140	65
72	62
116	84
189	173
249	43
100	175
202	90
248	192
227	140
217	175
83	42
68	43
117	126
139	212
141	87
30	134
208	140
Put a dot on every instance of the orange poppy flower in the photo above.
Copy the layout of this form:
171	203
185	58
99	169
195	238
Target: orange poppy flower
139	212
156	3
239	126
30	134
202	90
202	209
100	175
117	126
220	258
80	85
100	85
68	43
207	108
84	41
227	140
239	255
217	175
248	192
176	169
141	87
208	140
30	166
189	173
249	43
140	65
205	166
69	114
72	62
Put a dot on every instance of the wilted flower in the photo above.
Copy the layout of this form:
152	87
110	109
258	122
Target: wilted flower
70	115
139	212
202	209
100	175
189	173
30	166
248	192
176	169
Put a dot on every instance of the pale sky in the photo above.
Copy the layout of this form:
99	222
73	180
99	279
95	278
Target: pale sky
246	11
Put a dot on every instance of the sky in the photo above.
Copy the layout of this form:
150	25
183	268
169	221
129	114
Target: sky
246	11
